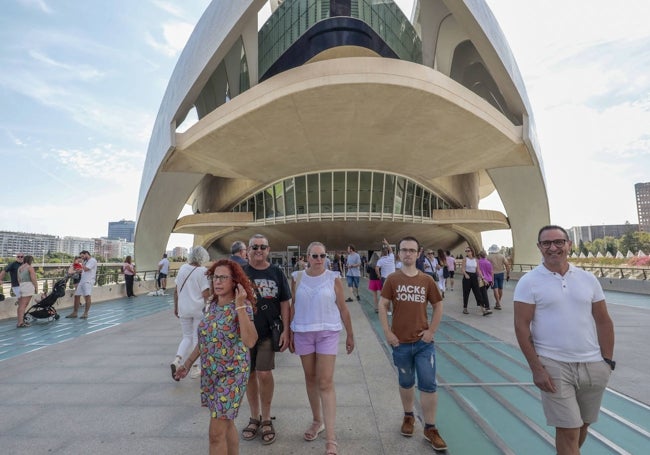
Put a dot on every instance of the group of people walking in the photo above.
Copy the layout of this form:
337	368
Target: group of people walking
24	283
236	314
487	271
230	311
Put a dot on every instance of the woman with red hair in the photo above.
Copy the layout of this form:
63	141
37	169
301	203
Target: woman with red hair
226	334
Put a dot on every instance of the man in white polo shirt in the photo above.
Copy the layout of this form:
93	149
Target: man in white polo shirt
565	333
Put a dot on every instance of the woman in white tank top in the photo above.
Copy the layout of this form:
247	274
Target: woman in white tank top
318	314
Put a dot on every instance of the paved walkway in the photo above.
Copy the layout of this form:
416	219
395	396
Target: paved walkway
104	388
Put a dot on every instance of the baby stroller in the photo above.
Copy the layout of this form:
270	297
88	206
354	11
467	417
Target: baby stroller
44	310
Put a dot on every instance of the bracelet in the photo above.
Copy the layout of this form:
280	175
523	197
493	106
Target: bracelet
240	307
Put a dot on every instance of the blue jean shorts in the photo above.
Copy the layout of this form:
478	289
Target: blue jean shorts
353	281
416	358
498	281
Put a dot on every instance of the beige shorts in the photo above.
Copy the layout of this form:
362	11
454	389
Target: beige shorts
579	389
27	289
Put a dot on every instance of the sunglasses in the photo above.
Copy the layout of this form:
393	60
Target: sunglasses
259	247
19	257
316	256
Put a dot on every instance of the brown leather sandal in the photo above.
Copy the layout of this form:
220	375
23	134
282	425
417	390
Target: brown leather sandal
250	432
270	433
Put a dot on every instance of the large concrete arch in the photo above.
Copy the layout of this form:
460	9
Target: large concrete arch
342	110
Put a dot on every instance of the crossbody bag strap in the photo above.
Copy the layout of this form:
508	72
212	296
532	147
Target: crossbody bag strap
185	281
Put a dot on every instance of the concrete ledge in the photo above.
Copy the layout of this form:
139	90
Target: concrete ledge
611	284
100	294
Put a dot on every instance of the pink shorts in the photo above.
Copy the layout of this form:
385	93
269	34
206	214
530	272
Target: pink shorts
374	285
321	342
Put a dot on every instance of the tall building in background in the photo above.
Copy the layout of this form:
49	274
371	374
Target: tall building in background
643	205
122	229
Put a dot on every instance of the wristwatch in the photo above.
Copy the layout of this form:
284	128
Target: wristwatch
611	363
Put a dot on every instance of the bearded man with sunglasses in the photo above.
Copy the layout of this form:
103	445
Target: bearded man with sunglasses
567	336
273	300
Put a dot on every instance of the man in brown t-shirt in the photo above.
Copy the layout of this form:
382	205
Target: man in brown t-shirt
411	337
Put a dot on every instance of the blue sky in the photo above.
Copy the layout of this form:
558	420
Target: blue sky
81	83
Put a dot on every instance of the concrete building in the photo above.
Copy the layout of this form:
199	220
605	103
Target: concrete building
589	233
122	229
642	191
343	121
37	245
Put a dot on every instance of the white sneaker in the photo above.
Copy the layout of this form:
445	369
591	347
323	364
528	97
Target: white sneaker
176	364
195	371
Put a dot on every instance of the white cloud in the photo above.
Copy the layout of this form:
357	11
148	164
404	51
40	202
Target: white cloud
38	4
104	162
173	39
80	72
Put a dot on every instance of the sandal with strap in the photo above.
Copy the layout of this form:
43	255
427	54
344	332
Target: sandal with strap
250	432
314	430
335	450
270	433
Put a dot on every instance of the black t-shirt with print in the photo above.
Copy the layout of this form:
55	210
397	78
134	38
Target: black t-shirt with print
271	287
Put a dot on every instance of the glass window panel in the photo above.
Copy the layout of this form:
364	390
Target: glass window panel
289	197
426	204
377	192
400	195
312	193
365	188
410	196
259	206
279	199
339	192
326	192
301	195
269	207
417	203
389	193
352	193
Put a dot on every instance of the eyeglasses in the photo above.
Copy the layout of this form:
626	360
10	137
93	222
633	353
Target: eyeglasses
557	242
316	256
408	250
19	257
429	252
259	247
221	278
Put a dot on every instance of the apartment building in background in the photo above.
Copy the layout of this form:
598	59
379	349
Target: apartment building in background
642	191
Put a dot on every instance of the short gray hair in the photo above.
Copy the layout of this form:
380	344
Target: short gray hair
198	255
257	236
237	246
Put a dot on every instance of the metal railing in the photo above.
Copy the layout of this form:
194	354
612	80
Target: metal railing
600	271
102	279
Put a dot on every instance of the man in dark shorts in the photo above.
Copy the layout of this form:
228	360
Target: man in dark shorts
273	298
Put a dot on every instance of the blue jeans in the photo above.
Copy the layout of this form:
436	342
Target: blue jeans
416	358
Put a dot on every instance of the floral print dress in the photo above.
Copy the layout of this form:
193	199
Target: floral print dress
225	361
